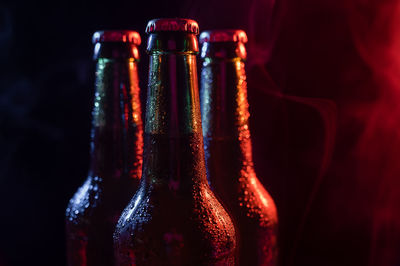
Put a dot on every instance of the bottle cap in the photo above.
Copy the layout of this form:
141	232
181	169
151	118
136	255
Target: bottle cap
128	36
223	36
172	24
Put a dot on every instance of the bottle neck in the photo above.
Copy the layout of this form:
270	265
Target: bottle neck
173	147
116	139
225	113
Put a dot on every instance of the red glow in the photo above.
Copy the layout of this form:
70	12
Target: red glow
324	79
341	59
375	29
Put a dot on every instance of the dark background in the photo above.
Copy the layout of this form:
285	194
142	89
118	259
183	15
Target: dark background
324	93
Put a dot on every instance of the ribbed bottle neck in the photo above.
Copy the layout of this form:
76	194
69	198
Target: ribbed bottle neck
225	108
174	152
116	138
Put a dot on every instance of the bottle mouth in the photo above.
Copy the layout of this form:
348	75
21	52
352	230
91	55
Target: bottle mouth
123	36
224	35
173	24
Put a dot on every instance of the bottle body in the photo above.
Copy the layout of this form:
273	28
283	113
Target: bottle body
92	214
174	218
173	223
116	159
229	161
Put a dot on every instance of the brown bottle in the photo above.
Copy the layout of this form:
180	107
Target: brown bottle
116	151
227	143
174	218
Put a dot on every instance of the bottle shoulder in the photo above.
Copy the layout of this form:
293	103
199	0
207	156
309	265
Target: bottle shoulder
255	202
200	201
245	197
84	199
97	198
191	218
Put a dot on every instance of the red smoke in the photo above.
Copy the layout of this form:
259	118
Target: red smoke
324	92
375	27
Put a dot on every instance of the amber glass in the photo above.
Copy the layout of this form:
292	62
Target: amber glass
229	161
174	218
116	158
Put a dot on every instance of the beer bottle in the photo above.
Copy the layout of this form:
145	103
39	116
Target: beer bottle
225	115
174	217
116	151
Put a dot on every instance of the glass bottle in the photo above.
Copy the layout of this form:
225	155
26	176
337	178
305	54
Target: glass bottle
116	151
174	218
225	119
